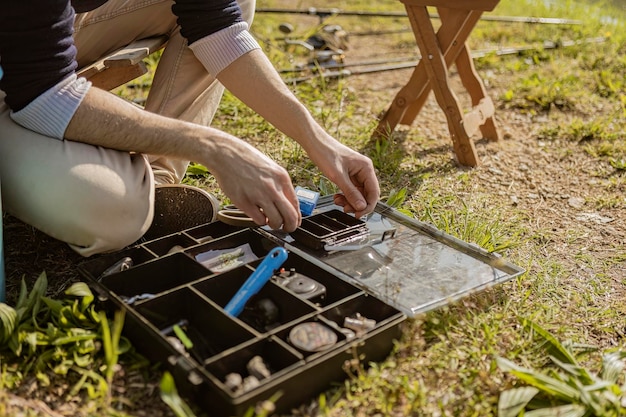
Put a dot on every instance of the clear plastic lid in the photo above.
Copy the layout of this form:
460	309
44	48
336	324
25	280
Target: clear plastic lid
412	265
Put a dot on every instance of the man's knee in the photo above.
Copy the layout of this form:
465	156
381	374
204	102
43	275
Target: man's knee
113	226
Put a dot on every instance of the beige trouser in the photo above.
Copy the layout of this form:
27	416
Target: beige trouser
98	199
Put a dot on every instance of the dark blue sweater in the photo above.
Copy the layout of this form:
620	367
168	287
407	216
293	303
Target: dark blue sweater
37	49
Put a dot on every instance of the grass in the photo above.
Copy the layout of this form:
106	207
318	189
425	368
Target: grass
446	363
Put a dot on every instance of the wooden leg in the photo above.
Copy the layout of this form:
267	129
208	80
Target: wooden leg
437	71
439	52
476	89
455	28
413	95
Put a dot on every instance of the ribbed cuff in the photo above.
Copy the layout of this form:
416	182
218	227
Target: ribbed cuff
51	112
218	50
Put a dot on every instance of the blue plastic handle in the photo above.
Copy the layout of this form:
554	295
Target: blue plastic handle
256	281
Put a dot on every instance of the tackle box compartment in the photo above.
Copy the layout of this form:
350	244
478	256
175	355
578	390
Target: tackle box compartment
342	294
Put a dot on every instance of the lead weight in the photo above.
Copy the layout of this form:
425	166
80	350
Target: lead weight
349	334
312	337
177	344
257	368
174	249
249	383
233	381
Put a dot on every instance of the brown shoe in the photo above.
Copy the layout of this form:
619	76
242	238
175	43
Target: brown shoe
178	207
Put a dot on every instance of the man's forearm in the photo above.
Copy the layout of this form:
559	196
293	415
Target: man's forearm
106	120
253	80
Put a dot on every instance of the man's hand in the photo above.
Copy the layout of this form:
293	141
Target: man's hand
258	186
354	175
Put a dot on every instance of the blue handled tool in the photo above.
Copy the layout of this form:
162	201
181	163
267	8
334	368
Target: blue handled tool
256	281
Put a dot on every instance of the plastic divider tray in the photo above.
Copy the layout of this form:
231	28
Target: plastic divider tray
175	289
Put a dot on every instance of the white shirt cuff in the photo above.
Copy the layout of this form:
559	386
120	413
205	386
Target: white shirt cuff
51	112
218	50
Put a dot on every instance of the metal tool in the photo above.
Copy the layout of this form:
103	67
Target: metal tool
257	280
121	265
300	284
364	243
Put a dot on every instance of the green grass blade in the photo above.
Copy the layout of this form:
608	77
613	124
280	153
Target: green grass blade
118	326
170	396
81	290
21	300
554	347
513	401
38	291
397	197
55	306
107	345
577	371
548	385
589	399
569	410
73	338
8	321
613	365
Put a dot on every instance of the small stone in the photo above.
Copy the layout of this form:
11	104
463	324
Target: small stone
594	217
576	202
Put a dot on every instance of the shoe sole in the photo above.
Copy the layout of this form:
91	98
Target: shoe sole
178	207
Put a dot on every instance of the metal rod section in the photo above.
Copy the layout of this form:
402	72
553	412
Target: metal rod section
324	13
351	64
336	71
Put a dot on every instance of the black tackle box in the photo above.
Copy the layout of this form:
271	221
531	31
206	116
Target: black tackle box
346	286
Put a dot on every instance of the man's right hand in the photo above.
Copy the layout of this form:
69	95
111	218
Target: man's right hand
258	186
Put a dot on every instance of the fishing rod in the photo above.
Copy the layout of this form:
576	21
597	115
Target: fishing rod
322	14
363	33
349	64
369	67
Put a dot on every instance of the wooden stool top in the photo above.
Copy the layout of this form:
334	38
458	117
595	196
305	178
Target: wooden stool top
483	5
